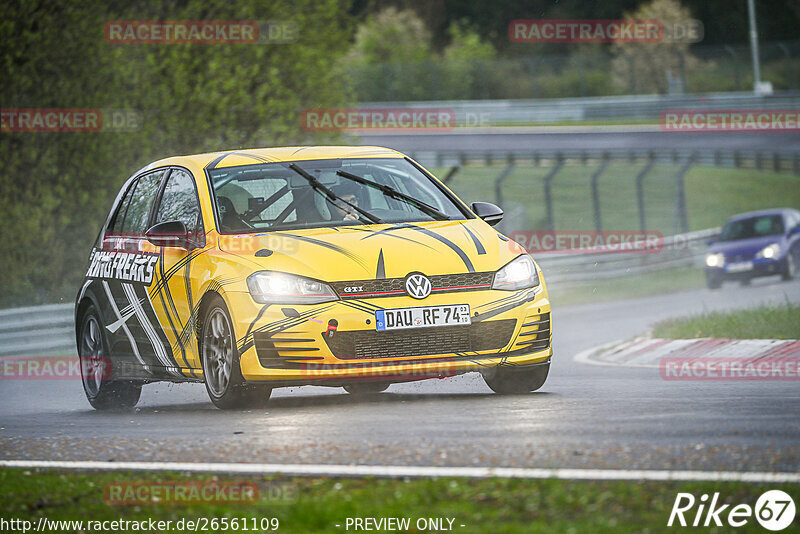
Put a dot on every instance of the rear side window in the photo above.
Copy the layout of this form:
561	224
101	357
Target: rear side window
134	213
179	202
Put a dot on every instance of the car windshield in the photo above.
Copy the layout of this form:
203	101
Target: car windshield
751	227
270	196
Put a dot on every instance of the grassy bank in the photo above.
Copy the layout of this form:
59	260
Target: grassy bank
319	505
764	322
627	287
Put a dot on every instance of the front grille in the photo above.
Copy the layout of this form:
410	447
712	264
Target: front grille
365	344
392	287
534	334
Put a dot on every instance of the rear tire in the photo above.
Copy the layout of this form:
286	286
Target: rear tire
95	368
219	356
510	381
366	388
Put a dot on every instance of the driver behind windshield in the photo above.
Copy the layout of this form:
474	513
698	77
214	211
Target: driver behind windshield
348	192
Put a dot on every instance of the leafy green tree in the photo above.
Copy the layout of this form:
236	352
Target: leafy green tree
56	188
654	67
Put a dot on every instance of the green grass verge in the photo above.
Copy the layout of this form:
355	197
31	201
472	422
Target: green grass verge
712	195
318	505
763	322
643	285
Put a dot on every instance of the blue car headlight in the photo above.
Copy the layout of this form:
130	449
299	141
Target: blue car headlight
715	260
769	252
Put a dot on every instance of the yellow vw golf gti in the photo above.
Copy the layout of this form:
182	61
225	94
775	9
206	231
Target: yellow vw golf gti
342	266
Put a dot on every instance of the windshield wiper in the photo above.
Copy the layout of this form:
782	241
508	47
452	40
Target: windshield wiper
394	193
316	184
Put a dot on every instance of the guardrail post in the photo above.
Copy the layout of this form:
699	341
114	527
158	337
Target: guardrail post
776	162
640	190
595	194
453	170
737	160
498	183
758	160
796	164
681	200
548	200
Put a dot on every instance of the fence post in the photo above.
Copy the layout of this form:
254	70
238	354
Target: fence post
681	201
640	190
453	170
548	200
498	184
595	194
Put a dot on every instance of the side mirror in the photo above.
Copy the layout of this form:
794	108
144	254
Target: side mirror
488	212
795	230
169	234
711	240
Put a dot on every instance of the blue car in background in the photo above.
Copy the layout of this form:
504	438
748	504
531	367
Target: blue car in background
758	243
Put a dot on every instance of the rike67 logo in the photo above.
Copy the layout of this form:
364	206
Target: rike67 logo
774	510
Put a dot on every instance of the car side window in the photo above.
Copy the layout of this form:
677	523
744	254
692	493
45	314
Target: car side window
179	202
137	212
115	226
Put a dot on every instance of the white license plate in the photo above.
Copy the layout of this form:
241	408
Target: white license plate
739	267
422	317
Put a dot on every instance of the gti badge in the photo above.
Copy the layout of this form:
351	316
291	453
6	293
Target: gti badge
418	286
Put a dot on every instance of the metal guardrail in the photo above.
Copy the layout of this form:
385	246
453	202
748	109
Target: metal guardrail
549	110
774	160
682	250
49	329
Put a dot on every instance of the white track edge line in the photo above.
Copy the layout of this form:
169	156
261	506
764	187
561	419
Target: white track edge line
395	471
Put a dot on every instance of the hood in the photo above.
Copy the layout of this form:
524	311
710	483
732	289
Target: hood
744	247
376	251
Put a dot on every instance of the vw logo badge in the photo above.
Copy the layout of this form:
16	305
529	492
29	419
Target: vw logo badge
418	286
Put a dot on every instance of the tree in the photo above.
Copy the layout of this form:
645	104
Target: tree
654	67
56	188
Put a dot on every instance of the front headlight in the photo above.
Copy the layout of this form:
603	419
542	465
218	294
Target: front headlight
715	260
520	273
270	287
769	252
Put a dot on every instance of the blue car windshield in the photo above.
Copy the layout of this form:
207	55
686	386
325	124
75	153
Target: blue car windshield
752	227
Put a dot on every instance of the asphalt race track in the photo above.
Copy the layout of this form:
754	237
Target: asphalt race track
586	138
585	416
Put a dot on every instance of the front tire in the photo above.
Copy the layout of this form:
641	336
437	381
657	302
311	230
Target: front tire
95	368
220	359
510	381
713	281
790	271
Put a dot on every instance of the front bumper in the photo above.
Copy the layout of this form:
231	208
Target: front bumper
761	267
294	344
